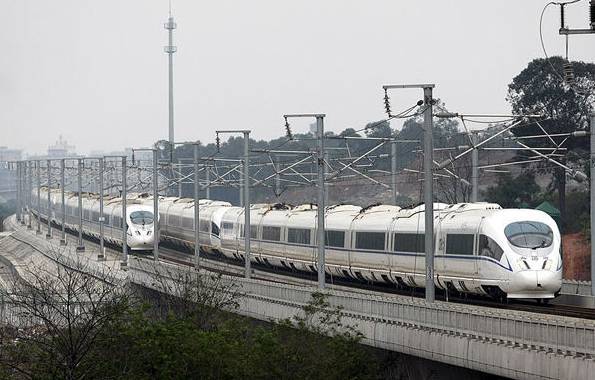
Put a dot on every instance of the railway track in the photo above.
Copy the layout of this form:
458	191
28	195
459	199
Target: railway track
167	252
180	257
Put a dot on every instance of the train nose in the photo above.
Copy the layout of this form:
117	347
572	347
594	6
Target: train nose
534	283
142	239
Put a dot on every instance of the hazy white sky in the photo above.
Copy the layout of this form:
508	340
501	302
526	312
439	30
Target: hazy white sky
95	71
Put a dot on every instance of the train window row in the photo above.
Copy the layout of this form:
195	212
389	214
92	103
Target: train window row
294	235
456	244
93	216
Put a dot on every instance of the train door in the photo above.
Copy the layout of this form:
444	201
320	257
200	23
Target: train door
239	234
350	245
440	259
476	252
392	258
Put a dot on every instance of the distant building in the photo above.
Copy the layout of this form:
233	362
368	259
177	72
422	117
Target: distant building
61	149
7	154
142	155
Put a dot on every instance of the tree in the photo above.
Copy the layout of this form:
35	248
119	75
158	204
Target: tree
62	310
540	89
452	188
316	340
514	192
187	293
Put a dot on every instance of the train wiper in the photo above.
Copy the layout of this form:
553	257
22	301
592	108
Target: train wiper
542	245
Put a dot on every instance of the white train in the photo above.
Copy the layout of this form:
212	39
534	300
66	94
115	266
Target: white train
479	247
139	217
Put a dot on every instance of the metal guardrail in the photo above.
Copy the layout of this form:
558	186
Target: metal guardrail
581	288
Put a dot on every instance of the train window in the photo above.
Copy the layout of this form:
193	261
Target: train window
227	228
488	247
214	229
335	239
271	233
459	244
188	223
141	217
253	231
404	242
117	222
370	240
175	220
298	235
529	234
204	225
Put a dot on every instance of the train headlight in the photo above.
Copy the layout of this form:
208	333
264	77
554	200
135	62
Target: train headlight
523	264
149	233
547	264
137	232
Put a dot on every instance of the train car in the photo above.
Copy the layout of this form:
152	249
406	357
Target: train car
232	230
479	248
139	217
210	225
338	221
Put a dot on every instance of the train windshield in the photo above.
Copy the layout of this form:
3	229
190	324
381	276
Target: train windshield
141	217
529	234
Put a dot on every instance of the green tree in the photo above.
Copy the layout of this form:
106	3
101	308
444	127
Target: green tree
514	192
540	89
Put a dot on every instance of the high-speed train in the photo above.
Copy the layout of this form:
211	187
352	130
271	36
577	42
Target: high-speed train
479	247
139	216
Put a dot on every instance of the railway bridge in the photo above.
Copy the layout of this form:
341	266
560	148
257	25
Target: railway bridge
548	343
